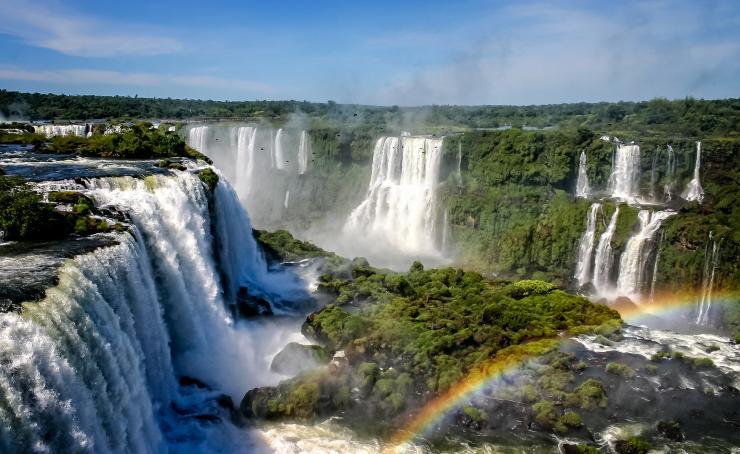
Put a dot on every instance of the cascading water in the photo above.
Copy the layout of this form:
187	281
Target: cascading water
632	271
582	187
694	191
399	207
670	174
653	174
93	366
304	149
605	257
711	260
586	247
623	182
261	163
656	263
83	130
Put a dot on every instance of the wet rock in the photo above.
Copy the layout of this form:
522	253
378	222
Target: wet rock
190	381
251	306
296	358
670	430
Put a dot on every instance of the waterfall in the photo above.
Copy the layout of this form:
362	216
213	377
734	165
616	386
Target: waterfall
670	174
287	199
582	187
655	267
304	149
459	163
604	257
635	256
93	366
261	163
445	231
83	130
197	138
399	207
711	260
586	247
694	191
279	158
623	182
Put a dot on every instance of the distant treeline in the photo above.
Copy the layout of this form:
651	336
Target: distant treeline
685	117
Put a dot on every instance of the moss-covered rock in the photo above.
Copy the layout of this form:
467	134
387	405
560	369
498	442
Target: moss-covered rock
295	358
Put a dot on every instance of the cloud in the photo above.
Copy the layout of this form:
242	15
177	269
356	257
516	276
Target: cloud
547	54
89	77
46	26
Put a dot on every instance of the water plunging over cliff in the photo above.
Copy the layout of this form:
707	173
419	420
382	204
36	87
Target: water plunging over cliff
399	209
582	187
623	182
670	173
711	260
604	258
694	191
262	164
586	247
633	263
83	130
93	366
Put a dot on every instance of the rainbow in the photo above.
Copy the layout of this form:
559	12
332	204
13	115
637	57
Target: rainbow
495	371
490	374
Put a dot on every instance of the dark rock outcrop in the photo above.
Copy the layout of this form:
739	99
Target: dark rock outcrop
296	358
250	305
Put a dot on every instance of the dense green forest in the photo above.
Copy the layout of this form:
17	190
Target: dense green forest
686	117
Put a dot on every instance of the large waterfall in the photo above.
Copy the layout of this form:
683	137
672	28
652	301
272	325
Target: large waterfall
632	265
263	164
605	257
582	187
624	179
399	209
586	247
93	367
694	191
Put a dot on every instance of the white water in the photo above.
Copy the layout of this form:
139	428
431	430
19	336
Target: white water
632	265
656	263
83	130
711	260
586	247
399	209
582	187
624	179
670	173
304	149
605	257
261	163
92	367
694	191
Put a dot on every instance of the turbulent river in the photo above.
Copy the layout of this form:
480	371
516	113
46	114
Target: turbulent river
135	347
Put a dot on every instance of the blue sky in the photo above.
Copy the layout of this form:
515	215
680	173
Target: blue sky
375	52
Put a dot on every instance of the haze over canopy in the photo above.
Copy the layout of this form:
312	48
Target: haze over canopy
381	52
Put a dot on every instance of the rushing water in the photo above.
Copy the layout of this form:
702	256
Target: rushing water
93	366
586	247
605	257
623	182
694	191
83	130
711	260
582	187
399	209
633	263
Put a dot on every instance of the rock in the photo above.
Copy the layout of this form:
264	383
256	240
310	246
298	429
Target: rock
251	306
190	381
670	430
623	305
296	358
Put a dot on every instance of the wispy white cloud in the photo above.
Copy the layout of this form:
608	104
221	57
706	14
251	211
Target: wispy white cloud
89	77
553	54
45	25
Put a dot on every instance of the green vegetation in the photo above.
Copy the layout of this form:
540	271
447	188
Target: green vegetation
209	178
436	326
620	369
25	217
686	116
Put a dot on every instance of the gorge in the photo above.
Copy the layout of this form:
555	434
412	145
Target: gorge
474	308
